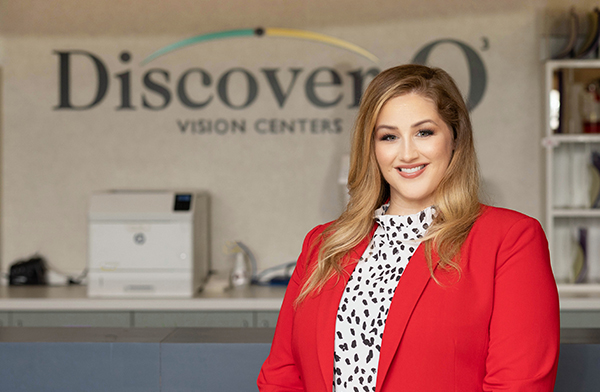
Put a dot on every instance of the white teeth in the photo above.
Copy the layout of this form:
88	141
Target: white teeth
411	170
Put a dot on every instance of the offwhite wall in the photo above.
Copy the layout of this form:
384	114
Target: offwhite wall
149	17
267	190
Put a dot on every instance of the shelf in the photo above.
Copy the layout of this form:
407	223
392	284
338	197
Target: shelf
566	157
576	213
570	63
590	289
555	140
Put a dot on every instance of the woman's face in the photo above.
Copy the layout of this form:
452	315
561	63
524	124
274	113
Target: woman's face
413	147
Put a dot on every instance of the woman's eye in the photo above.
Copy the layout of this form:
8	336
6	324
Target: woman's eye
387	137
425	132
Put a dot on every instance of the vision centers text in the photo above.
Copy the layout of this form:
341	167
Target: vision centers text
263	126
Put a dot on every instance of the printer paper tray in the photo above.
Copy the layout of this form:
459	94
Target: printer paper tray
140	284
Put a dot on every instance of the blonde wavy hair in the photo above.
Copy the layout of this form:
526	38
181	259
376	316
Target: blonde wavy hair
456	198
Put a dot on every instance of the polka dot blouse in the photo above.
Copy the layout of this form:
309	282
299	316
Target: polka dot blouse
367	297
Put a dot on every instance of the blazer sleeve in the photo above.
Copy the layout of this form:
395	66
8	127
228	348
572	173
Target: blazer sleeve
524	328
280	373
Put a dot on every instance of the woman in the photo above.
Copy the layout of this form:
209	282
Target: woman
475	309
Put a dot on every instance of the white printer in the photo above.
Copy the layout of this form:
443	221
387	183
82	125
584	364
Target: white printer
148	243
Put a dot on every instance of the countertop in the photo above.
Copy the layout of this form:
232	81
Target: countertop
579	297
213	298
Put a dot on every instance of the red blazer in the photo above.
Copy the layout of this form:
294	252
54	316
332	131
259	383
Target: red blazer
496	329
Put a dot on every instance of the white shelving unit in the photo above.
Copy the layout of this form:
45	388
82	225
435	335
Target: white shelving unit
573	71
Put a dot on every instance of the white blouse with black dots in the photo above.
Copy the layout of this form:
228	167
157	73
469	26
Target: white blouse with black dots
366	300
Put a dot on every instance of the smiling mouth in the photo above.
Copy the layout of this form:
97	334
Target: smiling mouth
411	169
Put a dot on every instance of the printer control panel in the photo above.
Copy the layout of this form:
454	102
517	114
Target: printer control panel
183	202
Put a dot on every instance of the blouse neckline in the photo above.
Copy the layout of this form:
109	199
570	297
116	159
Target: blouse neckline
412	226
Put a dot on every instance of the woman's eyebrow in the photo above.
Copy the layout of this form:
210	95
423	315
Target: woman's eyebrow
393	128
423	122
384	126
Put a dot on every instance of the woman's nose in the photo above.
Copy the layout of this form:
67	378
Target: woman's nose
408	151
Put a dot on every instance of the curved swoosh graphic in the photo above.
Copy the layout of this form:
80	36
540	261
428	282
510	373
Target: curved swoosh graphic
326	39
259	32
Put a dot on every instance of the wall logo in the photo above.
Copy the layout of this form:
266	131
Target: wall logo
263	32
198	88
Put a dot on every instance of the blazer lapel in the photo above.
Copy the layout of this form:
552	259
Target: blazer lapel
329	300
409	290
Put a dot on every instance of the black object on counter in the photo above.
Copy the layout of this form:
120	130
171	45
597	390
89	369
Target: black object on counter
28	272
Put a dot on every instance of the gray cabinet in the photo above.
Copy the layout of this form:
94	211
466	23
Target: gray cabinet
71	319
580	319
226	319
193	319
125	319
4	319
51	306
266	319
